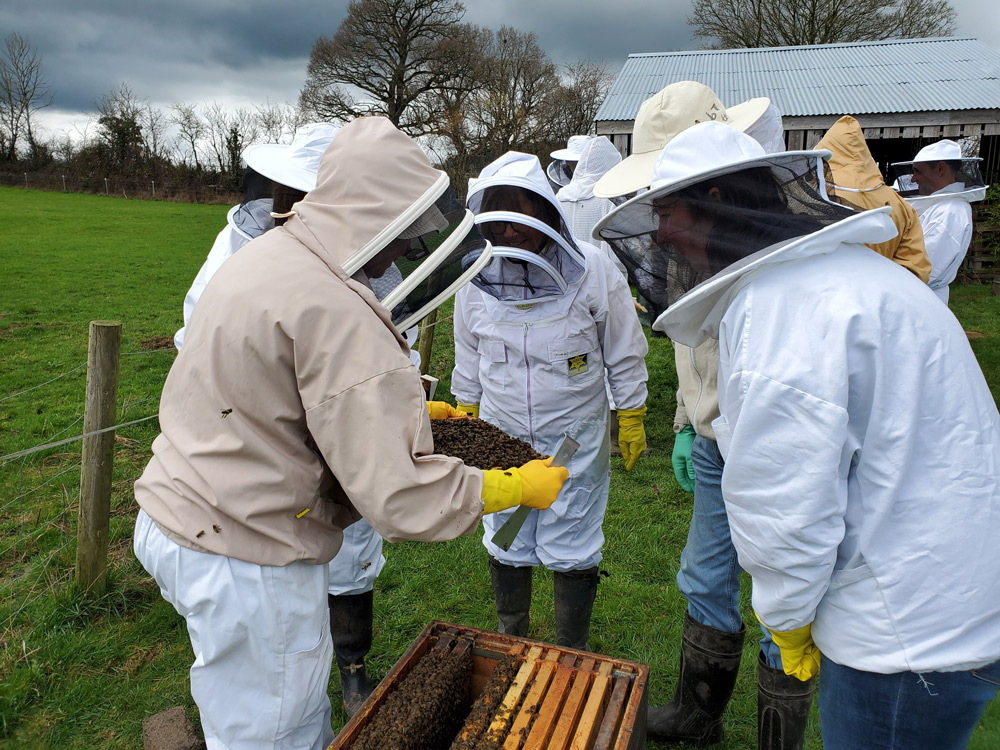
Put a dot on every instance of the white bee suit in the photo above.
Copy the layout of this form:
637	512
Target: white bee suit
243	223
946	220
845	509
536	368
581	207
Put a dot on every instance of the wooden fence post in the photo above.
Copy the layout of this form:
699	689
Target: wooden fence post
425	344
98	455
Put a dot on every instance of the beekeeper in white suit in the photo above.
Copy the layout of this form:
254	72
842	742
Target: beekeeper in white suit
940	184
289	170
293	410
279	175
866	535
564	161
534	334
579	205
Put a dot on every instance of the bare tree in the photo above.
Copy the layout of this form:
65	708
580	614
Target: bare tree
396	53
761	23
191	129
506	100
154	123
23	91
229	132
574	104
276	123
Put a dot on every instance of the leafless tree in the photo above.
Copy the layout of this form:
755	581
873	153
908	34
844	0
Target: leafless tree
191	130
762	23
507	100
23	91
228	133
154	123
276	123
574	104
396	53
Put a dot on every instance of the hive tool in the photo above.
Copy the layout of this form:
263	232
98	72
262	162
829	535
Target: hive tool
508	532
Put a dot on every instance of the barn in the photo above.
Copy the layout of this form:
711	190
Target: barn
905	93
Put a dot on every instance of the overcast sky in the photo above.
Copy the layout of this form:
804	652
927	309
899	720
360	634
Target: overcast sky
246	52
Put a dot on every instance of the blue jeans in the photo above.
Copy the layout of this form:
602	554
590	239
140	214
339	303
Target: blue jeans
902	711
709	576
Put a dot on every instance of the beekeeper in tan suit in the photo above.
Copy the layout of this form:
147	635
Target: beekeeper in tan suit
281	426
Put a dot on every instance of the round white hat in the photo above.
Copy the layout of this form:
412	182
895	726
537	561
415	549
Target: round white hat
297	163
573	150
663	116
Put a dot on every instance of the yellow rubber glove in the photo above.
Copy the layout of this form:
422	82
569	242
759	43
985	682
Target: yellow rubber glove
535	484
631	435
444	410
799	655
471	409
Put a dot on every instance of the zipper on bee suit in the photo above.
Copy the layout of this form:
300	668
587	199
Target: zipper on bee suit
527	384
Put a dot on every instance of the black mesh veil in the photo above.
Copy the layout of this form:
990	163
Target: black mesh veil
439	263
255	185
559	174
253	215
672	239
519	275
965	171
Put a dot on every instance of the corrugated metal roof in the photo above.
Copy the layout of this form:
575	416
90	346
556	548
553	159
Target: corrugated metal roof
910	75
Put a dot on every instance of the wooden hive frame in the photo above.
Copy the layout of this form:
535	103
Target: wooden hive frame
560	698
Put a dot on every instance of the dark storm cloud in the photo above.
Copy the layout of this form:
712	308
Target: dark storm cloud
172	51
570	31
251	52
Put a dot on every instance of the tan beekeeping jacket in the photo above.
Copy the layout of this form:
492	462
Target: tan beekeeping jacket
293	406
859	182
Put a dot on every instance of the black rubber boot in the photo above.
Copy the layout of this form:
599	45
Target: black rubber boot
512	591
574	592
351	628
783	704
710	662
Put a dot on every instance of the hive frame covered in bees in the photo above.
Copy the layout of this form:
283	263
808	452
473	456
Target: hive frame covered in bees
560	699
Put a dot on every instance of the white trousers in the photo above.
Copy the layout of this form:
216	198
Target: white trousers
261	640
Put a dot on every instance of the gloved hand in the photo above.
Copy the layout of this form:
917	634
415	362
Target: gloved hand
631	435
681	458
535	484
444	410
471	409
799	655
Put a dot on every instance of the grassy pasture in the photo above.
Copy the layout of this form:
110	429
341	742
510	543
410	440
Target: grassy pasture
81	674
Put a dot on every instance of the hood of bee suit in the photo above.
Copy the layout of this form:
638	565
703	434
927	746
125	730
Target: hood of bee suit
598	156
851	162
373	183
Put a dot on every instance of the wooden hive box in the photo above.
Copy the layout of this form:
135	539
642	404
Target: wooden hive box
560	699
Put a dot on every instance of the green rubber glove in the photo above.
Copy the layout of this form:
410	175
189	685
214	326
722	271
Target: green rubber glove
799	655
444	410
631	435
681	458
535	484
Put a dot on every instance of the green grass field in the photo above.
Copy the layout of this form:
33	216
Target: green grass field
78	673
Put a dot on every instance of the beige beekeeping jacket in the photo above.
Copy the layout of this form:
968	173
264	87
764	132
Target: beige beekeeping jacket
293	406
858	181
